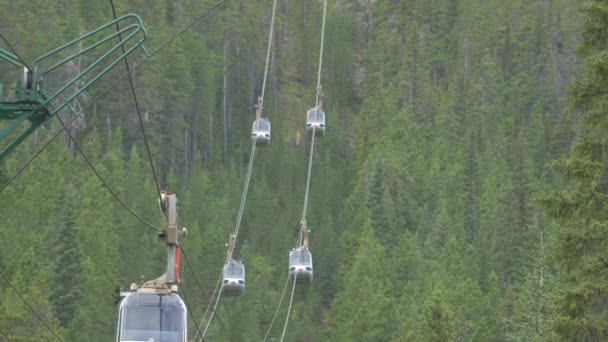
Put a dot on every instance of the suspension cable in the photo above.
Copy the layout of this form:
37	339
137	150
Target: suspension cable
249	167
304	228
29	306
210	306
213	309
308	176
190	312
103	181
318	101
239	216
276	312
235	233
321	50
141	121
274	9
293	290
198	283
14	52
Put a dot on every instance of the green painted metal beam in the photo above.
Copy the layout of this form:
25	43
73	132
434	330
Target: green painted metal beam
35	105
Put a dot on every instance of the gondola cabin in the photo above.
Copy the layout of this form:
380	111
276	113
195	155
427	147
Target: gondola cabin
233	283
300	265
147	315
260	132
315	119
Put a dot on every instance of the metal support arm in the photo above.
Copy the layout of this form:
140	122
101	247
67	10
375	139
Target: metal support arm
32	102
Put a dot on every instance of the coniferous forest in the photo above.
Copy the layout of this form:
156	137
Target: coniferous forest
460	192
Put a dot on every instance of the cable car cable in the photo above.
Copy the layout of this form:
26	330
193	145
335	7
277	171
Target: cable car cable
141	121
13	50
321	50
57	133
190	312
30	306
103	181
293	290
202	290
251	159
210	306
239	216
236	228
276	312
274	10
310	158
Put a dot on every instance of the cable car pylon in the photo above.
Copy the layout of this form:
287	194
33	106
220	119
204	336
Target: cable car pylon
153	311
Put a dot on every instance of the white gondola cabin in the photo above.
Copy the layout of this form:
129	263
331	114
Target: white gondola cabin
260	132
315	118
147	315
300	264
233	283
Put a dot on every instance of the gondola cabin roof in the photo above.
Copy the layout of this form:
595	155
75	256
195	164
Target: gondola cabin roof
152	316
300	257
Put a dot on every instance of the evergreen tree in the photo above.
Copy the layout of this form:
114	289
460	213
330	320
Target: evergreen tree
359	311
437	324
535	306
66	276
580	208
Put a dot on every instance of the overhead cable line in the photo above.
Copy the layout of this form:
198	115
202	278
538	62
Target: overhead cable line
211	305
141	121
276	312
293	290
103	181
30	306
239	216
235	233
203	292
304	228
274	10
190	312
14	52
259	109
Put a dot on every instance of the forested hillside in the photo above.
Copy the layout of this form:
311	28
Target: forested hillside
459	193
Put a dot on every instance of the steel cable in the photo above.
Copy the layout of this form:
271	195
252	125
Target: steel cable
13	50
30	306
310	159
250	165
203	291
141	121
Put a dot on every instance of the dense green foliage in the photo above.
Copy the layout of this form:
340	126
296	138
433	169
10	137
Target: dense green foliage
458	195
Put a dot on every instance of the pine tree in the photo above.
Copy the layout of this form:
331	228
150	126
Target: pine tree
437	324
65	295
359	310
535	306
580	208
